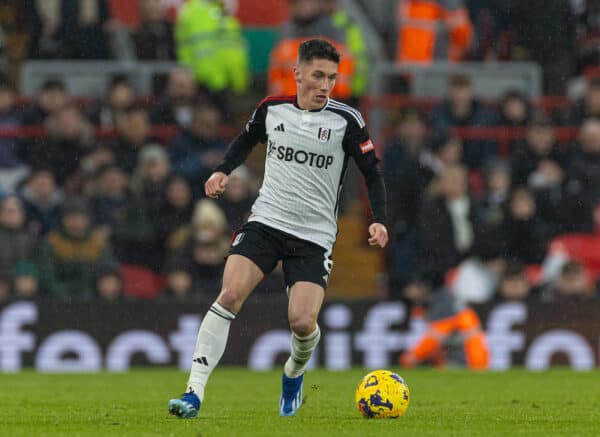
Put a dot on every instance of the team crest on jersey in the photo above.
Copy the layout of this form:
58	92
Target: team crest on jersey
238	238
324	134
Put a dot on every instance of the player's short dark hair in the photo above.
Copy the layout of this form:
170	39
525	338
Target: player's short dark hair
318	48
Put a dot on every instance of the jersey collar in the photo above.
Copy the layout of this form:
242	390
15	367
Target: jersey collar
310	110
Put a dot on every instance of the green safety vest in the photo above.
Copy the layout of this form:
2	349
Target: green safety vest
210	43
355	43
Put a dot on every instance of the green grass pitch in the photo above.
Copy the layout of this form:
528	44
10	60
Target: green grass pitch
243	403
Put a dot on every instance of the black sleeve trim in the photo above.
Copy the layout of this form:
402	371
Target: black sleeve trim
376	190
242	145
237	152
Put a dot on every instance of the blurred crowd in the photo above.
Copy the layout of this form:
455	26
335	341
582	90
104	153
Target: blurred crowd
85	214
463	215
80	216
561	35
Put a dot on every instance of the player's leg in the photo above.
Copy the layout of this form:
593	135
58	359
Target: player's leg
305	300
240	277
306	267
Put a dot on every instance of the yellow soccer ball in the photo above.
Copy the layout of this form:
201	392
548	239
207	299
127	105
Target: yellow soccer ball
382	394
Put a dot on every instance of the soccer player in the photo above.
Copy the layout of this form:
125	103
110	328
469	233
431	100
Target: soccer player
309	139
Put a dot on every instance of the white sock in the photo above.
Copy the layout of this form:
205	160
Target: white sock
302	349
212	339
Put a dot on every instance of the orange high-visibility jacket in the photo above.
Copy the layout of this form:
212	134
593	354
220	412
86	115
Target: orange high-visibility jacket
432	29
281	69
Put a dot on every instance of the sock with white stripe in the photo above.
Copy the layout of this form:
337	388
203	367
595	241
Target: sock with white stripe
210	346
302	349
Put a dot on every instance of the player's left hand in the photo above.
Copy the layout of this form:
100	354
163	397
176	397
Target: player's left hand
379	235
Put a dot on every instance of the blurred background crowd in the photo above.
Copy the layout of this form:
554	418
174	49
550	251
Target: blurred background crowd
492	195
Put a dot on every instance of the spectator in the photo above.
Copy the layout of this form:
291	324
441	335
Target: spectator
72	254
355	41
236	202
109	284
573	285
405	175
96	158
51	97
70	137
42	199
26	280
69	29
179	280
588	106
208	261
524	234
540	164
152	176
308	21
497	187
204	26
12	169
154	37
462	109
122	216
447	226
121	95
515	110
309	18
198	150
406	178
583	178
208	224
514	285
434	30
445	152
206	246
177	104
17	242
134	134
174	214
538	161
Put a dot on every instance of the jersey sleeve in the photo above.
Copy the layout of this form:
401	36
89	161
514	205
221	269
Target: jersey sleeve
253	133
358	144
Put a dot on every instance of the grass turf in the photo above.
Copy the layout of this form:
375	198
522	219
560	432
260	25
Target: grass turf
244	403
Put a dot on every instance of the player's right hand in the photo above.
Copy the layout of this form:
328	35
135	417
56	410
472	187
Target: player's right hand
215	185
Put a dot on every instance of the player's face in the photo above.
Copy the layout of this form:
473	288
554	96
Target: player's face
314	81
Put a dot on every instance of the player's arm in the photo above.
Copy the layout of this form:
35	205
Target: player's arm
358	144
237	152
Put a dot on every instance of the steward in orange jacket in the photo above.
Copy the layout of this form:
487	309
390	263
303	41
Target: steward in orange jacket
430	30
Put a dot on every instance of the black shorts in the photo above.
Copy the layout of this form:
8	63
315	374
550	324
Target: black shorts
302	260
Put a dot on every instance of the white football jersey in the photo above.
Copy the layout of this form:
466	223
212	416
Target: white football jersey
306	160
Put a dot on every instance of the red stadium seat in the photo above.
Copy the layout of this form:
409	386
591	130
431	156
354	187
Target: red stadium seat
584	248
141	282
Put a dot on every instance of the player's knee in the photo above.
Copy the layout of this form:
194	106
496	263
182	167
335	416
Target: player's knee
303	325
231	298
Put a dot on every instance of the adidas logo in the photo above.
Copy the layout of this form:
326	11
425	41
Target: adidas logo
280	128
201	360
